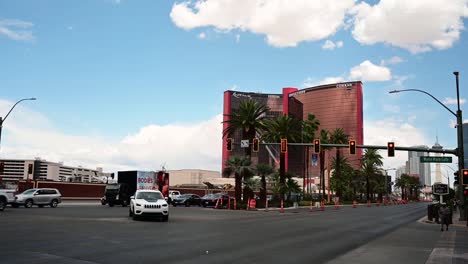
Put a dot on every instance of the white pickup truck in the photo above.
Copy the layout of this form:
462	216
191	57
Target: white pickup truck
6	197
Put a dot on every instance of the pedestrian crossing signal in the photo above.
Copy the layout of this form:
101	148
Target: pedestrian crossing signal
229	143
284	145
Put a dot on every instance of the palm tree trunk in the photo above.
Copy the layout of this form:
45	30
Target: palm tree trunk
282	172
367	188
338	173
238	187
322	172
263	191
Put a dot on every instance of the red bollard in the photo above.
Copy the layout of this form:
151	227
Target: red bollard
266	205
217	202
282	207
311	208
354	204
322	206
368	204
235	204
248	204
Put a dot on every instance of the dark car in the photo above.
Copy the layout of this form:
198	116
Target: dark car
211	199
187	200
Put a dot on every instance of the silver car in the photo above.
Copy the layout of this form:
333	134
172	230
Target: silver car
40	197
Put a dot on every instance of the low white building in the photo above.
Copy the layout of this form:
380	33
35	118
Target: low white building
38	169
194	177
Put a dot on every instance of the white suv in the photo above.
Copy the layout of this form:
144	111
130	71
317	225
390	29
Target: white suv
148	203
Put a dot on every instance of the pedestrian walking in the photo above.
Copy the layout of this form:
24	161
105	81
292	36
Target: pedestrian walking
444	214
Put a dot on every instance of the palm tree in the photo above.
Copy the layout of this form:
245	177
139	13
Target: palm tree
309	127
403	183
338	136
283	127
249	119
342	184
371	161
240	166
324	139
264	170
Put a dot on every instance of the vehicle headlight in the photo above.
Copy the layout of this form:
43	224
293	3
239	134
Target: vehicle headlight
138	204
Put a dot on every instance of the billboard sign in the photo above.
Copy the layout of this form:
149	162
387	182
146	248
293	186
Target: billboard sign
145	180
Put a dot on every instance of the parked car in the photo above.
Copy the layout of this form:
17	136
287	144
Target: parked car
148	203
212	199
172	196
187	200
40	197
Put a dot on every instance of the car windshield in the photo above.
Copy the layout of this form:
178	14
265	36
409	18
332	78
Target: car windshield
208	196
30	191
149	196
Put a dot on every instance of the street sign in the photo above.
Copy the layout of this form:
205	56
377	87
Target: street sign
440	189
244	143
429	159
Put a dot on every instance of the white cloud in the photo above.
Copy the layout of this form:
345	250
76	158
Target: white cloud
367	71
392	61
28	134
16	30
283	23
417	26
235	87
403	134
201	35
70	28
330	45
453	101
237	38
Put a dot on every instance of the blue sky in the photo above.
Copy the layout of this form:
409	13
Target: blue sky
135	84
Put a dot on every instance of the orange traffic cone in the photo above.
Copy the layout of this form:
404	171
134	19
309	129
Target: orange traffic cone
322	206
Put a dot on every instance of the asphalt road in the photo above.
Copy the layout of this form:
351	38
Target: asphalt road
100	234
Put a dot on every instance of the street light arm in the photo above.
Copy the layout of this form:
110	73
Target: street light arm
14	107
421	91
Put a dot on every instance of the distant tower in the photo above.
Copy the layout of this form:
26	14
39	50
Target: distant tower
438	173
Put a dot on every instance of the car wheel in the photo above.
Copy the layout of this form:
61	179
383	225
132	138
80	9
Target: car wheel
103	202
111	204
204	205
187	204
165	218
40	205
28	203
135	217
174	204
15	205
130	213
2	204
124	203
54	203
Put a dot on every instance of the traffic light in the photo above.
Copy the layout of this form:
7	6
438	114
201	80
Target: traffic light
284	145
229	143
255	145
352	147
30	169
456	178
391	149
464	177
317	146
2	167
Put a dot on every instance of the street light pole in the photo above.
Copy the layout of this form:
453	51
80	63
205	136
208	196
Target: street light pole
458	115
2	120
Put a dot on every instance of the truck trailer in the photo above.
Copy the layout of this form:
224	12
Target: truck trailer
128	182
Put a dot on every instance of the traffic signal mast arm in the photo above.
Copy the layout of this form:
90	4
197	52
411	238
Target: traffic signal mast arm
444	151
